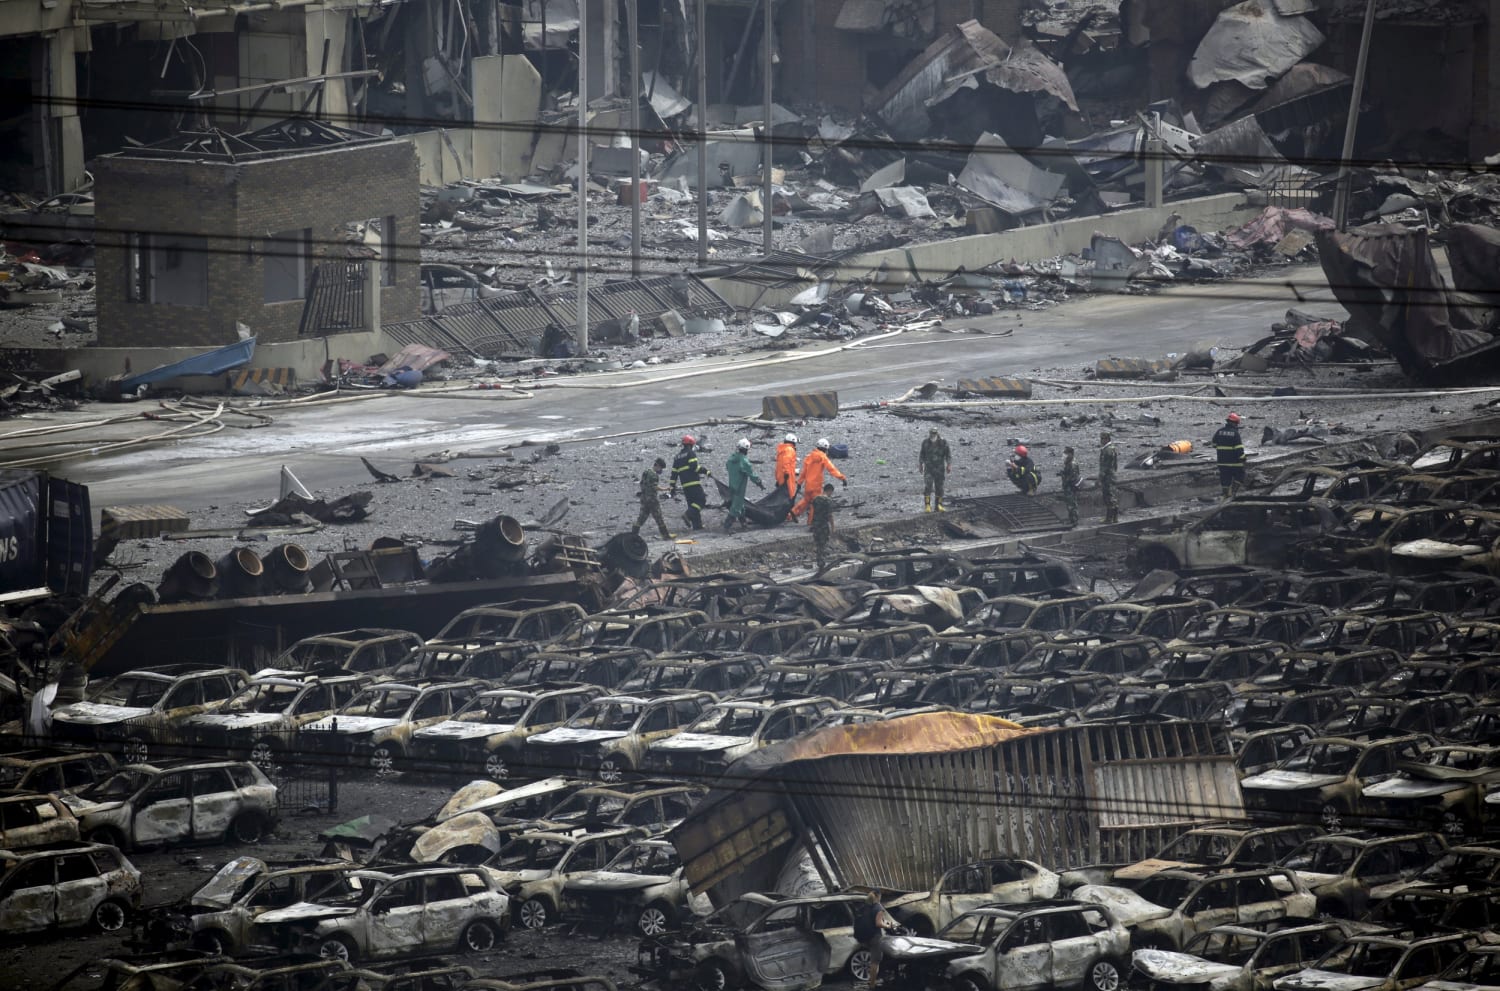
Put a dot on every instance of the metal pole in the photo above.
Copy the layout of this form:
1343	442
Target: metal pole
583	178
1341	195
767	187
702	13
635	139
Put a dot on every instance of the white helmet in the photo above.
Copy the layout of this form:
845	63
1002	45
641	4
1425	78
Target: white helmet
823	444
743	443
790	438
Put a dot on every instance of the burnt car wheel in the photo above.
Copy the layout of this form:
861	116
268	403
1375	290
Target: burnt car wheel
481	936
712	976
1153	558
211	941
1331	815
336	948
534	913
654	919
497	767
859	965
385	758
247	828
612	769
135	751
263	754
110	916
107	836
1104	975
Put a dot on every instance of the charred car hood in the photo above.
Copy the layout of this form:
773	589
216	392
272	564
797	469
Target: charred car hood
1399	787
1129	907
220	890
563	736
510	879
1180	968
1145	868
97	713
235	720
352	725
701	741
1290	780
452	729
303	911
616	881
1326	980
81	807
925	948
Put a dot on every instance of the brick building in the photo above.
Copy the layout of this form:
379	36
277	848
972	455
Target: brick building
211	230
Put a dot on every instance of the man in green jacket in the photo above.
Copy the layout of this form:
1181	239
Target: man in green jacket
741	474
650	496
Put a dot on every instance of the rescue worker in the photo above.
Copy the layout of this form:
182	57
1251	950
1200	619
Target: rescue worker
820	518
786	465
1071	479
1021	471
688	474
1109	464
651	499
813	467
1231	451
934	460
741	474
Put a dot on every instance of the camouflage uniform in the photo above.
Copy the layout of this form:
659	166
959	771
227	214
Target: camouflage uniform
651	503
934	459
1109	465
822	528
1071	478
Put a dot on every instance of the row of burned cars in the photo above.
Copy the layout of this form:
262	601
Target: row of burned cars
1362	707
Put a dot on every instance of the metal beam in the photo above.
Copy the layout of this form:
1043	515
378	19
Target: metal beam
317	80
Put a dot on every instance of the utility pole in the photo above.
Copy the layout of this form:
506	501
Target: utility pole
1341	194
583	178
635	139
767	187
702	12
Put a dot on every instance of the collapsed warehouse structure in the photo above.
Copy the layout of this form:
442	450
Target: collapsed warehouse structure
894	804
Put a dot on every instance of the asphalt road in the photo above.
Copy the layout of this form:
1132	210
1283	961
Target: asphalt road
323	444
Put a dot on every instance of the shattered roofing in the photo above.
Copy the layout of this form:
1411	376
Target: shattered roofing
1417	11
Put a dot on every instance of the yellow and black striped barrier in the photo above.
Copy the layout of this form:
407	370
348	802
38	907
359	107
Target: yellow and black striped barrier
995	387
800	406
140	522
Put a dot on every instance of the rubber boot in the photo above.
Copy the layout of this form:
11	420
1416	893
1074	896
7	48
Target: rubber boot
941	508
926	505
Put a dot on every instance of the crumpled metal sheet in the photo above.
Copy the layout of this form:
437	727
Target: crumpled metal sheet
922	598
1252	43
469	829
1000	175
1385	276
1273	224
951	63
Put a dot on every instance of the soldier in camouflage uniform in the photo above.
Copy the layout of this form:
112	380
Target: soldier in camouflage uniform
934	460
651	499
1109	465
1070	482
821	518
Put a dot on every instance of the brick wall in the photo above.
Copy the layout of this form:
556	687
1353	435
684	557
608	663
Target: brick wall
236	206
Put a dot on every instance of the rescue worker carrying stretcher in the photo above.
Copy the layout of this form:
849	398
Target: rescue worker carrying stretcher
813	467
688	474
1022	471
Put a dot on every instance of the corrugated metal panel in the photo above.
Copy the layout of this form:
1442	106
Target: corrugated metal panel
22	529
70	537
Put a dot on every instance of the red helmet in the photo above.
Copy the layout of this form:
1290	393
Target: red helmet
1234	418
688	440
1021	450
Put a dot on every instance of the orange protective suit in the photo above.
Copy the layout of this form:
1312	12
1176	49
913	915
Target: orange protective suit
786	468
813	467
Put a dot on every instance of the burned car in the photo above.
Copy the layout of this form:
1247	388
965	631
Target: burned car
262	718
1242	531
220	916
1325	779
141	711
353	651
67	886
642	887
1238	958
378	723
968	887
609	736
143	805
489	732
535	867
1378	963
1170	907
1444	790
51	771
729	730
35	820
760	940
512	621
1349	870
1061	944
382	913
1222	846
